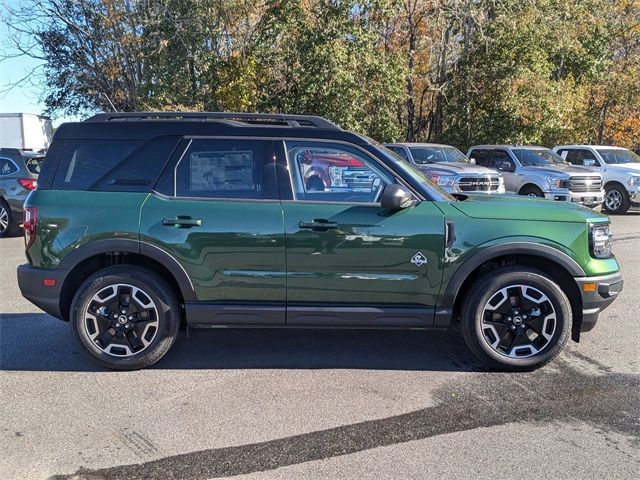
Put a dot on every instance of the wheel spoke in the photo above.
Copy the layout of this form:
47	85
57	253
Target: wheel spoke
106	337
134	340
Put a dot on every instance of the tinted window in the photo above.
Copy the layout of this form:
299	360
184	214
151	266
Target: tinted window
334	173
85	162
481	157
226	169
7	167
424	155
139	172
399	151
34	164
578	156
498	158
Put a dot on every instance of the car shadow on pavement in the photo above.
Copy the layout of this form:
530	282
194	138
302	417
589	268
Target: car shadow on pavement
38	342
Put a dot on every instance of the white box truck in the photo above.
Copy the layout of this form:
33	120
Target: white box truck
25	131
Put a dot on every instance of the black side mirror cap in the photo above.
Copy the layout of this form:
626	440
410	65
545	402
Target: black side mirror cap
396	197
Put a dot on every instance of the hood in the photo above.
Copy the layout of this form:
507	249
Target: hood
567	170
625	168
453	168
509	207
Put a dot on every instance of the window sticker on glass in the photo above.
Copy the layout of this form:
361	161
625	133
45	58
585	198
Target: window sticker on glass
222	170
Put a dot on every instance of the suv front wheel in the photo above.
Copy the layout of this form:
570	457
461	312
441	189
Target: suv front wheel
516	319
125	317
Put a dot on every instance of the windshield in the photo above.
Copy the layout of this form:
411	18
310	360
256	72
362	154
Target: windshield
413	172
538	157
34	164
433	154
616	156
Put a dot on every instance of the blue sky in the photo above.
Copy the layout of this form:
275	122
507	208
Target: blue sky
23	99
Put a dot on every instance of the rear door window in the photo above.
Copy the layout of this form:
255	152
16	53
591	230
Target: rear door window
212	168
481	157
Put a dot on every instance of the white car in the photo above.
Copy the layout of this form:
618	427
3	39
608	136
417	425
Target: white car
620	169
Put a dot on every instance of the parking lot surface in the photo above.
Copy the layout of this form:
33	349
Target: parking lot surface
264	404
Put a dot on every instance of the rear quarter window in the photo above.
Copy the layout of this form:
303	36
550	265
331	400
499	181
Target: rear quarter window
85	162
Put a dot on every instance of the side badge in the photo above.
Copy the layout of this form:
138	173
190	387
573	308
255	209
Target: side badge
419	259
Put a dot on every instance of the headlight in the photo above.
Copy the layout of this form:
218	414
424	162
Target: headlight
555	182
444	180
501	188
600	241
634	181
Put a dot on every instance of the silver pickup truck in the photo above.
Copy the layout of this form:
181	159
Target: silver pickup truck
620	169
448	167
539	172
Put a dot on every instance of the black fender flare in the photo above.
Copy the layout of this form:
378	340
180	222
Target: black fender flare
122	245
516	248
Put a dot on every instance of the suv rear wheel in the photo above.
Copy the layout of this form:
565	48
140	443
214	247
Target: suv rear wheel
7	226
125	317
516	319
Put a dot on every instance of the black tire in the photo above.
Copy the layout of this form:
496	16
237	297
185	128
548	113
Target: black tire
531	191
315	184
11	228
152	286
616	199
474	326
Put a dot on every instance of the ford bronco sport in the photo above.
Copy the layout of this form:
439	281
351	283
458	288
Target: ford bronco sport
142	222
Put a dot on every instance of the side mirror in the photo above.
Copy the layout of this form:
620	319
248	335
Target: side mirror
396	197
506	167
472	160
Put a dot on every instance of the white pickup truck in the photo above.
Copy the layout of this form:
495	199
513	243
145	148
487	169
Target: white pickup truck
620	170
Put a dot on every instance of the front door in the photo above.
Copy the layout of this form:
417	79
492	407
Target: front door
512	179
221	219
349	261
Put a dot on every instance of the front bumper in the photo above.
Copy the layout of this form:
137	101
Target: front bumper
596	299
634	196
32	287
588	199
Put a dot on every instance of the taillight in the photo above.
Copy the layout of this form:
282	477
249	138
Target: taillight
29	226
28	183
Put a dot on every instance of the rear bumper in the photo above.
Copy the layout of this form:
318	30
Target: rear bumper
32	287
607	288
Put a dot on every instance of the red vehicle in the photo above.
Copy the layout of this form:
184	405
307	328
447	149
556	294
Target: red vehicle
326	171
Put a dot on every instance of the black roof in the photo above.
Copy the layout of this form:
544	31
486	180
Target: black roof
147	125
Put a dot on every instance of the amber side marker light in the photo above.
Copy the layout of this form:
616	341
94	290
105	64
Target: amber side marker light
589	287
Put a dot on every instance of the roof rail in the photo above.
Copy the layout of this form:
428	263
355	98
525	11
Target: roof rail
275	119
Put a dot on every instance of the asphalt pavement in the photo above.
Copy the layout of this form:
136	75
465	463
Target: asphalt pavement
319	404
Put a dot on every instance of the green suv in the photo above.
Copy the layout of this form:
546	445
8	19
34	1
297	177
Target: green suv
144	222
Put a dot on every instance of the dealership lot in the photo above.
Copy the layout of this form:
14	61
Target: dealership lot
317	403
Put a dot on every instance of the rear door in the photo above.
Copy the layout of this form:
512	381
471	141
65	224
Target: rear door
216	210
351	262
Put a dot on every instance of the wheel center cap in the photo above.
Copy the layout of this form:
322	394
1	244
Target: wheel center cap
122	319
517	320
